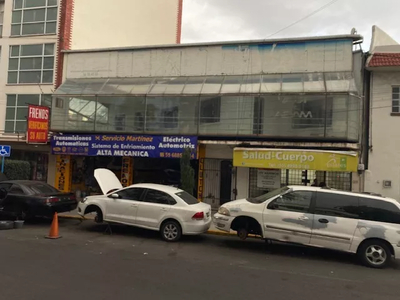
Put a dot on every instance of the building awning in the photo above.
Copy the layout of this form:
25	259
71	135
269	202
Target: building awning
332	82
318	160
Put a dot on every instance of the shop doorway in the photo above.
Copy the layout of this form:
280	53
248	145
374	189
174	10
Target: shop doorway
225	193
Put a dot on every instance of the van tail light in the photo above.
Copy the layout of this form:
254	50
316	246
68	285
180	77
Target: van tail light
198	216
51	200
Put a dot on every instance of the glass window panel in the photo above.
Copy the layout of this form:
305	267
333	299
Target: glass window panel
138	86
271	84
10	113
25	100
52	14
193	85
395	103
293	115
12	77
48	63
34	3
49	49
395	96
31	50
29	77
396	90
11	100
14	51
292	83
51	27
337	116
15	30
13	64
353	118
18	4
251	84
46	100
31	63
340	82
20	126
47	77
9	126
120	114
395	109
51	2
212	85
171	115
231	84
22	113
168	85
314	82
16	16
34	28
34	15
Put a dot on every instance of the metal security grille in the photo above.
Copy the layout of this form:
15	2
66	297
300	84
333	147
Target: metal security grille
336	180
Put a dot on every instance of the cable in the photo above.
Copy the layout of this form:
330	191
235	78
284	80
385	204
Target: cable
304	18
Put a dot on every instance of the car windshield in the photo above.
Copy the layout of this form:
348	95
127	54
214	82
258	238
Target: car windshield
42	188
189	199
269	195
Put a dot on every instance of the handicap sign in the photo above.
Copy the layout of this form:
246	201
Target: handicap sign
5	151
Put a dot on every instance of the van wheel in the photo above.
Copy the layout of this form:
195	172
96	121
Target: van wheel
171	231
375	254
242	233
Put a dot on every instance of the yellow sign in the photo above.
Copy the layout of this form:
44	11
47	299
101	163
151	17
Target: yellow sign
295	159
63	173
127	171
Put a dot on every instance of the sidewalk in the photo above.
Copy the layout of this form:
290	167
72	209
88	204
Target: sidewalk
73	214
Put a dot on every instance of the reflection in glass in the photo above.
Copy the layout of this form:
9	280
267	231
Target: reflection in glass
292	83
314	82
271	83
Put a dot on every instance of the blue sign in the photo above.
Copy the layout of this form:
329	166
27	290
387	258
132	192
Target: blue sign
123	145
5	151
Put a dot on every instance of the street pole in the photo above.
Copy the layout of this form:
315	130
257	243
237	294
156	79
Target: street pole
2	164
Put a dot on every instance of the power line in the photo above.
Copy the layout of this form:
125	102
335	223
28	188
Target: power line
306	17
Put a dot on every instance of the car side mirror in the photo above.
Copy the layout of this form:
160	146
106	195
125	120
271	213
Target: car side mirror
114	196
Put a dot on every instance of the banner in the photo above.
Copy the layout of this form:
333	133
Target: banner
63	173
295	159
38	124
127	171
123	145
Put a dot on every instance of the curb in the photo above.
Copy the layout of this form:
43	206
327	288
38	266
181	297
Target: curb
212	232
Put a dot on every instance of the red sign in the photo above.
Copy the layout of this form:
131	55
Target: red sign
38	124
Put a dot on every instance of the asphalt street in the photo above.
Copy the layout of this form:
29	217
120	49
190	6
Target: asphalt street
130	263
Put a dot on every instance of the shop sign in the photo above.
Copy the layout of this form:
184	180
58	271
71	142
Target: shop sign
38	124
123	145
268	179
63	173
127	171
296	159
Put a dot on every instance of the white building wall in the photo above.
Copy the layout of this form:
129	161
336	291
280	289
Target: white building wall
315	56
384	156
122	23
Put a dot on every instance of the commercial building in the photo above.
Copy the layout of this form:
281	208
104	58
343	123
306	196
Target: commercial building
383	64
33	34
263	113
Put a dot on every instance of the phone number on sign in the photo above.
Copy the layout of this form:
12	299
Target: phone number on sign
289	166
173	155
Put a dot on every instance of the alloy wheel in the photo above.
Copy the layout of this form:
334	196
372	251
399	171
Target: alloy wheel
171	232
376	255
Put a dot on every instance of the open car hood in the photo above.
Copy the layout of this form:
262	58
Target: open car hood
107	180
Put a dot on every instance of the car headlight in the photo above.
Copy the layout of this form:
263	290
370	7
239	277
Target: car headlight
224	211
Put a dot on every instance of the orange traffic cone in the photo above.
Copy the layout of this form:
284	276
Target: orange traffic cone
54	228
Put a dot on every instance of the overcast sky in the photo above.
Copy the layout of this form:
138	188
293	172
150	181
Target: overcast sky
222	20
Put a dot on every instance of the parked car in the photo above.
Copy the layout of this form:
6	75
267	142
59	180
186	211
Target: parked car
26	199
167	209
357	223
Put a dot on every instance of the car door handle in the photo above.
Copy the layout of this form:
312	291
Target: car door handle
324	221
303	218
133	205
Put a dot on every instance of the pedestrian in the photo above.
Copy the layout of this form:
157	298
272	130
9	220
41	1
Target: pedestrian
315	183
322	184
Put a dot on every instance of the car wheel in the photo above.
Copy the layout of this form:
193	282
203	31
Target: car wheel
99	216
242	233
375	254
24	214
171	231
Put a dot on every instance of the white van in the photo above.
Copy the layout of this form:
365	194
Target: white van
358	223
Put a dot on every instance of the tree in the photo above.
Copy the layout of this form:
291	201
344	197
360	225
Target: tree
187	172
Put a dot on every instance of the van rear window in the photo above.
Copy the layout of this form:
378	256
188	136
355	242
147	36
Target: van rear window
379	211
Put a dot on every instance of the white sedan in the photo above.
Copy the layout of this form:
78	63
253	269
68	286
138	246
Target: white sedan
167	209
